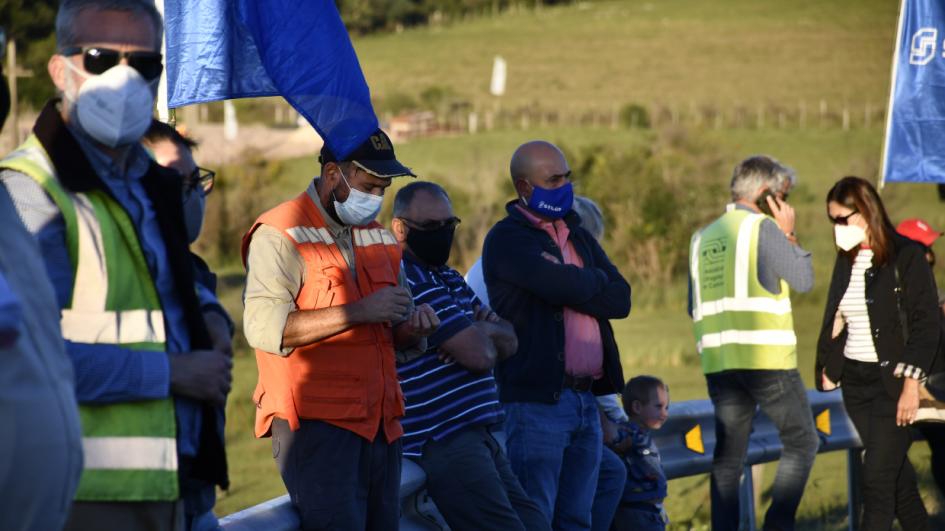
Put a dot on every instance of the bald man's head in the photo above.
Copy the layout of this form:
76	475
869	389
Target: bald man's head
535	160
541	166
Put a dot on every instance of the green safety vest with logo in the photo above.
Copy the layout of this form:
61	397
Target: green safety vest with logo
738	323
130	448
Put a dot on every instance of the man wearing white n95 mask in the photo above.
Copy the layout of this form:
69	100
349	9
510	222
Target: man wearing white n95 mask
111	232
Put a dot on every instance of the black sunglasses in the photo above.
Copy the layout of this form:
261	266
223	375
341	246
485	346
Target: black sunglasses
202	178
433	224
843	220
96	60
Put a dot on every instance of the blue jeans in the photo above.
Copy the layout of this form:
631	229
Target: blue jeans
555	451
782	397
611	481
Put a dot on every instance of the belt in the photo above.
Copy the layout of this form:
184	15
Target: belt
578	383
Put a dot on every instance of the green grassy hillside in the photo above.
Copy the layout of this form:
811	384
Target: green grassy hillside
600	54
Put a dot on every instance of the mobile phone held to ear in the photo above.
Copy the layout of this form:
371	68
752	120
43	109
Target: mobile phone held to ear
762	202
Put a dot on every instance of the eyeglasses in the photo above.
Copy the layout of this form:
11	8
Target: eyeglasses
202	178
433	224
843	220
96	60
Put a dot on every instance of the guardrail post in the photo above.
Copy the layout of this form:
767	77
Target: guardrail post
855	497
746	500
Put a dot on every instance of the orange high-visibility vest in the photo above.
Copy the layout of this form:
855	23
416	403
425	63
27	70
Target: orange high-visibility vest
349	379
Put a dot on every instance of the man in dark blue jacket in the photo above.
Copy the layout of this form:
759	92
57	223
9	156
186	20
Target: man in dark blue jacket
550	278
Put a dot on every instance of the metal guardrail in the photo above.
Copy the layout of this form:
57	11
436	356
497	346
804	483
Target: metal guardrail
686	443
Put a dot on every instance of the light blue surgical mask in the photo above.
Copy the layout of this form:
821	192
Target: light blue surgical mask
360	208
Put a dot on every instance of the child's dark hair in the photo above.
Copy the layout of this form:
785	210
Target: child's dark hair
640	388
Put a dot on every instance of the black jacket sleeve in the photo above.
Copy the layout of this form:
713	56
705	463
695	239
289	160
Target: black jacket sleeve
830	349
516	256
919	306
613	301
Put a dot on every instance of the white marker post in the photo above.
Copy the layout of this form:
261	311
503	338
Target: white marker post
497	87
231	128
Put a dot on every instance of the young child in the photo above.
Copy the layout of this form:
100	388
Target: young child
646	401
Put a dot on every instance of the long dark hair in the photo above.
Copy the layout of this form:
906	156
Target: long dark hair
858	194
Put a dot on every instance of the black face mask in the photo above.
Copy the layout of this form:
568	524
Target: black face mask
431	246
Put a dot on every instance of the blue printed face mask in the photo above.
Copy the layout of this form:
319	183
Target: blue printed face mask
554	203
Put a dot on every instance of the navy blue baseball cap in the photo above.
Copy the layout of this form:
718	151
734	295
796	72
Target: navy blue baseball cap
375	155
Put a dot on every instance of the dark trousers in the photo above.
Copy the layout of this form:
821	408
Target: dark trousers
139	516
781	395
336	479
889	482
639	516
472	484
934	433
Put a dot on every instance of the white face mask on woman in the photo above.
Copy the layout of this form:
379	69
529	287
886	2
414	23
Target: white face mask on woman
115	107
360	208
848	236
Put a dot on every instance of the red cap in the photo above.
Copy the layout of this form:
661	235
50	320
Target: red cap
918	230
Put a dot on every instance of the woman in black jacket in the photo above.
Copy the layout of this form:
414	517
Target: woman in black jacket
879	336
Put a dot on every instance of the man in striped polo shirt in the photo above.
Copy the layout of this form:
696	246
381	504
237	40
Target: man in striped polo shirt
450	394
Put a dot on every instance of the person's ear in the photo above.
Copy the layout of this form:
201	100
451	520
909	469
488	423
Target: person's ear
637	407
399	228
523	189
57	71
331	173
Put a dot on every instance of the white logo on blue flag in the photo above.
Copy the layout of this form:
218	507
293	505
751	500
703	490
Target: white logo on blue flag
923	46
914	148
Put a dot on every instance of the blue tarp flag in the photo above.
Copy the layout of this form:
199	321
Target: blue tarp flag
300	50
914	149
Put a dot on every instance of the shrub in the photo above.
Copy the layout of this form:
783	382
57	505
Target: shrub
634	115
653	195
238	197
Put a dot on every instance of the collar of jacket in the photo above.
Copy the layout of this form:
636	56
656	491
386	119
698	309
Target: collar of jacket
64	152
572	219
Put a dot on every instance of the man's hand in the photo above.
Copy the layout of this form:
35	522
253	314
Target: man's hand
783	214
422	321
608	429
384	305
203	375
219	330
413	331
484	313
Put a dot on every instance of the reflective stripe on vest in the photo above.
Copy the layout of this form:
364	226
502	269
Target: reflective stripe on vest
130	448
738	323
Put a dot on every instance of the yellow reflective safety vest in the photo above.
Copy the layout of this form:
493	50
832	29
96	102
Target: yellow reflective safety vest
130	448
738	323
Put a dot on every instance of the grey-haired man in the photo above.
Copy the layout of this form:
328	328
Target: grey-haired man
112	236
741	268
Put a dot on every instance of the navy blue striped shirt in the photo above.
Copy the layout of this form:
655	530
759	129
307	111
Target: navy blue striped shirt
443	398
